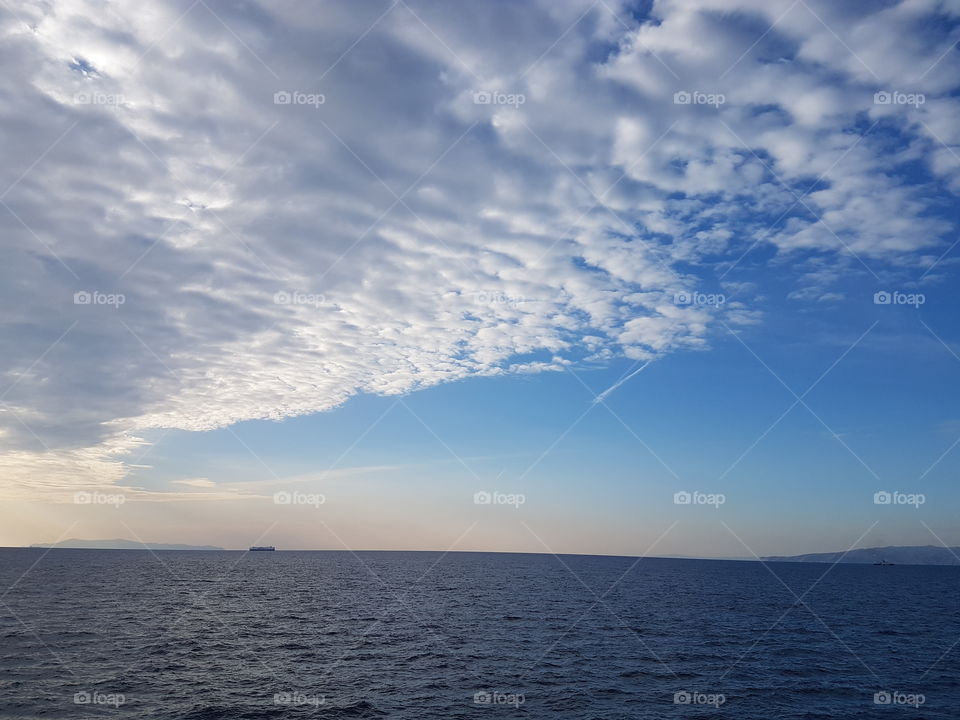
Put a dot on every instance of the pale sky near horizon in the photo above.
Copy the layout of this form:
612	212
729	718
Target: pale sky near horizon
670	277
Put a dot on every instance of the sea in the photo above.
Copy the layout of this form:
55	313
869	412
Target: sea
237	635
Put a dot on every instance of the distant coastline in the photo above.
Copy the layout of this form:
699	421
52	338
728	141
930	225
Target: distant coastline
892	554
120	544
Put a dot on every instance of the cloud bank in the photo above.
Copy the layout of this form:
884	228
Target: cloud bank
216	212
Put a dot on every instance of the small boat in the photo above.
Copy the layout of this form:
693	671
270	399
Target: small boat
262	548
883	562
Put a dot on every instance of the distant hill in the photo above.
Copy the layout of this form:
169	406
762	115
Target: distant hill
120	544
900	555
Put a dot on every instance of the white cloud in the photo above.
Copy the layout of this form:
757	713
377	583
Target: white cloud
423	237
196	482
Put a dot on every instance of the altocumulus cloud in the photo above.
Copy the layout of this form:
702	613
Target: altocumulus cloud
216	211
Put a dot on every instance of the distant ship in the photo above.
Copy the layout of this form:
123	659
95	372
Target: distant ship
262	548
883	562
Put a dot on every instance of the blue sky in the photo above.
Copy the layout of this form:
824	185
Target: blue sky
388	254
697	412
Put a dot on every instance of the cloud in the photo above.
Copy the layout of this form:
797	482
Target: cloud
196	482
375	228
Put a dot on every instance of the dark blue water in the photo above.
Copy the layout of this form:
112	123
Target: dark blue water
130	634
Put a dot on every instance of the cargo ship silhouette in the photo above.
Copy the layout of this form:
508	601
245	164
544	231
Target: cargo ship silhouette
262	548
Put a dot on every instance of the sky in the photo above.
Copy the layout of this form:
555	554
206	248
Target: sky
668	278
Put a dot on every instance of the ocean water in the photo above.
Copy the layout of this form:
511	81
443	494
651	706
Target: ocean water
231	635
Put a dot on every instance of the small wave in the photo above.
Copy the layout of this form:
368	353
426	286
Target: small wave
359	709
293	646
219	712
